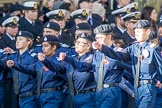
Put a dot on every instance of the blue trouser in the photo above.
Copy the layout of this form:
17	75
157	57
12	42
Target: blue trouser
85	100
67	99
51	99
1	97
109	98
145	96
29	102
158	102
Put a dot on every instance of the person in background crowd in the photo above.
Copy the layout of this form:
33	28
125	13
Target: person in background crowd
160	33
47	6
16	10
58	16
130	19
8	41
30	23
93	19
149	13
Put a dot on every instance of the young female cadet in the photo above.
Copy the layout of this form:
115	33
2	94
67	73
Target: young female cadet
49	83
24	83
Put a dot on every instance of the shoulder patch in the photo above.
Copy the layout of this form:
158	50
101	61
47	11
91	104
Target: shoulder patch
33	54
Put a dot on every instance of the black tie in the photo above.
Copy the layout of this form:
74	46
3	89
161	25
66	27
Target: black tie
16	79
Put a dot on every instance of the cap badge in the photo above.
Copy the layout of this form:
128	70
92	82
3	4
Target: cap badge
128	11
35	6
84	13
82	35
45	38
145	53
48	25
136	6
60	13
137	16
14	20
20	33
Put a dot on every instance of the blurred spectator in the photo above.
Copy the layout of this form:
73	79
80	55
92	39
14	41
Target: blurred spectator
47	6
149	13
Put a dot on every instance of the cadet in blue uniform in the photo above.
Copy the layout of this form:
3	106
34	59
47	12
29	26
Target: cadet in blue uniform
146	64
104	35
49	83
82	78
30	23
24	83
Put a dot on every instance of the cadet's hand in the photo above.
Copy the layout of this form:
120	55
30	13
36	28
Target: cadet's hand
96	45
41	56
62	56
8	50
158	84
10	63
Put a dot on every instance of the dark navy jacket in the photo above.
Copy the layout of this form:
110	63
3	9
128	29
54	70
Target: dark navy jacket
27	81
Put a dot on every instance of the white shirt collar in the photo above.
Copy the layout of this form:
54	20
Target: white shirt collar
122	30
12	38
29	20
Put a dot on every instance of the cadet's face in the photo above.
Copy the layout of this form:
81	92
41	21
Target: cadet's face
124	2
48	50
160	32
22	42
12	30
31	14
141	34
154	15
47	31
101	38
82	46
60	22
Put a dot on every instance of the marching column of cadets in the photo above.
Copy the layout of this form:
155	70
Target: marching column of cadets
44	69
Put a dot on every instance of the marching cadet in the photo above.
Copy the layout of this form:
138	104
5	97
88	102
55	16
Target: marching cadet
104	35
146	65
58	16
30	23
82	78
49	82
24	83
8	41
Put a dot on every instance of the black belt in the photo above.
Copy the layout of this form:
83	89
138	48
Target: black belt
85	91
144	82
27	94
110	85
51	89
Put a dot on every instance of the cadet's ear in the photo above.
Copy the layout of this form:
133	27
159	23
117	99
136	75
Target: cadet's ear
148	31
